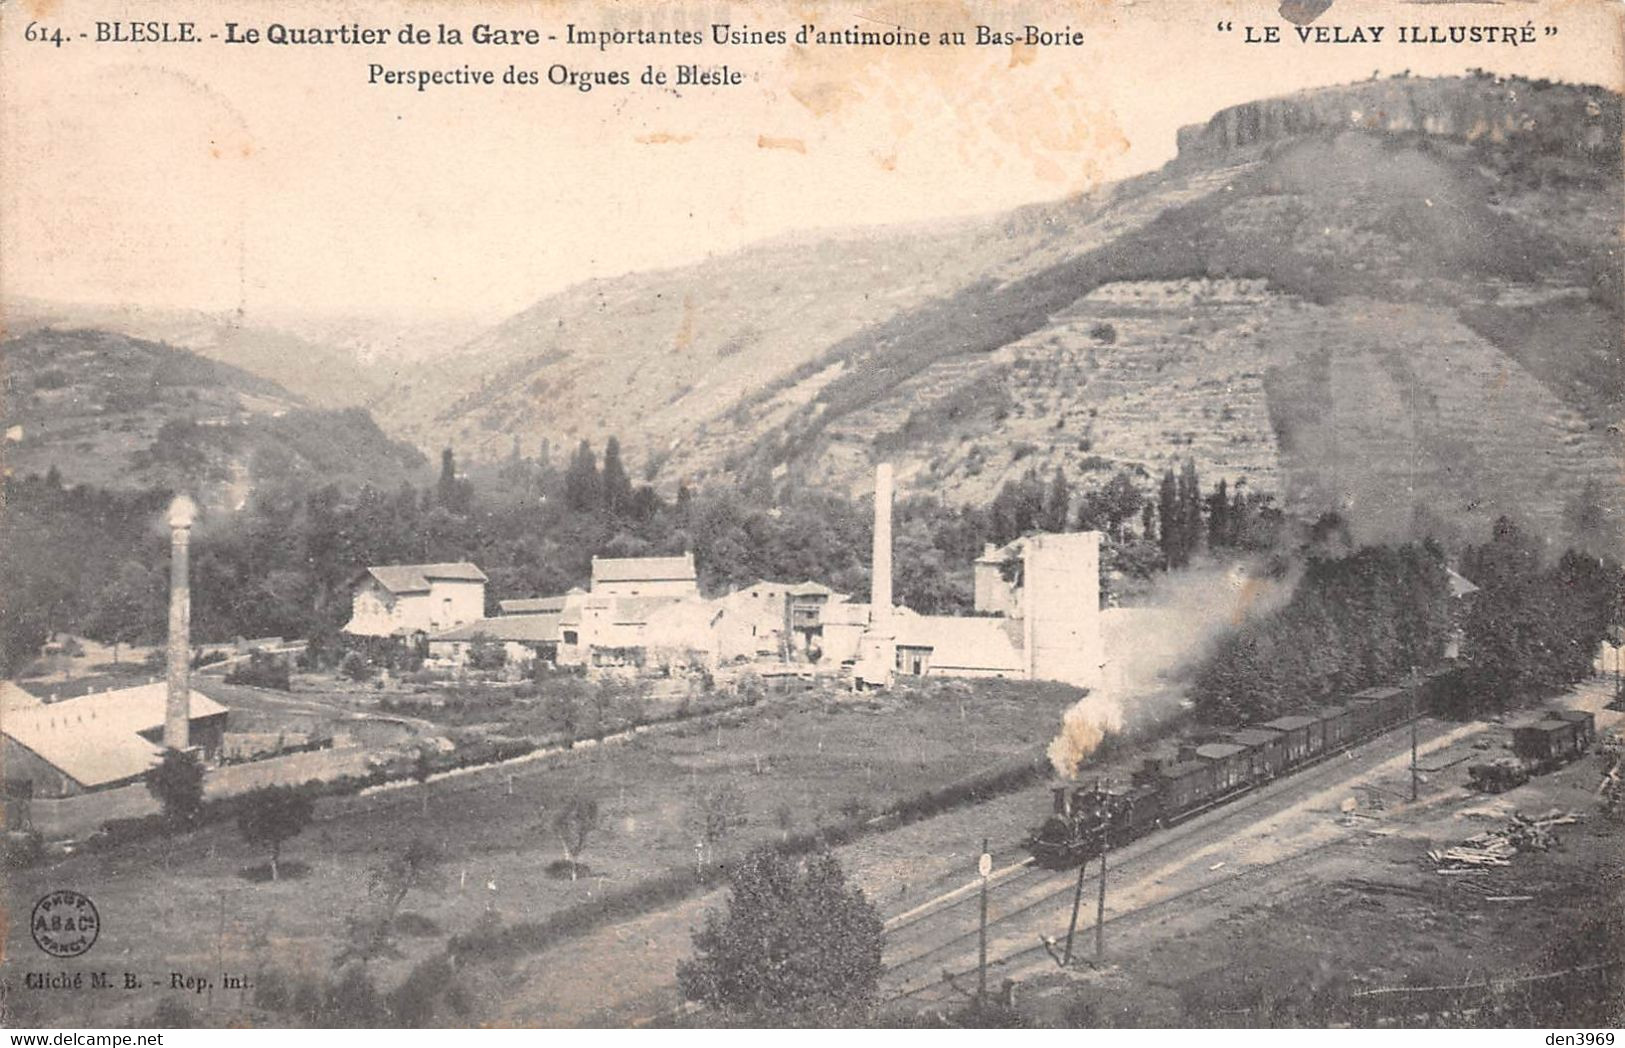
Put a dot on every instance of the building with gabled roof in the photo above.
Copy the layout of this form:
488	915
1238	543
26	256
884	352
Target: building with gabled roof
645	576
536	605
406	600
959	646
100	740
523	637
14	697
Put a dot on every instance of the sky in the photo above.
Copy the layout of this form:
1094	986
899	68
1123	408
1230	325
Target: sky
278	181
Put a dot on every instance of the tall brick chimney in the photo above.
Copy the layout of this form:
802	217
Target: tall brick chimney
178	705
880	600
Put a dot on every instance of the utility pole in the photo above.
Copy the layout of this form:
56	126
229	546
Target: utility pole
1100	903
1415	687
984	866
1077	901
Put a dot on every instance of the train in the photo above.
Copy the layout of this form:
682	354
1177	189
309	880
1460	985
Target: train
1089	818
1555	738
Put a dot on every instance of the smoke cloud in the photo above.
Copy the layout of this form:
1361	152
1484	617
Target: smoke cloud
1153	648
1083	726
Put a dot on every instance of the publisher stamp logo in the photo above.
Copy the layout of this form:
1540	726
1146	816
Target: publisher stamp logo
65	924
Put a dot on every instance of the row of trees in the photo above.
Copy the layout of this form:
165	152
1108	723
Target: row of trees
95	562
1370	617
1351	622
1533	626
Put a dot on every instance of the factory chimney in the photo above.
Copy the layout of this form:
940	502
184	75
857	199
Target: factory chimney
880	601
178	705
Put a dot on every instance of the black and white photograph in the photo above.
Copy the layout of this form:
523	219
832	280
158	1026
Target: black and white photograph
684	515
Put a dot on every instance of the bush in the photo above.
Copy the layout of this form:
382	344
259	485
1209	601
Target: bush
356	667
794	938
176	782
486	654
262	671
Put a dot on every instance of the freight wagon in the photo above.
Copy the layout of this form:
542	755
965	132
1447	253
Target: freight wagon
1085	819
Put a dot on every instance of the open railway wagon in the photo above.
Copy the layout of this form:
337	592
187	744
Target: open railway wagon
1200	776
1552	740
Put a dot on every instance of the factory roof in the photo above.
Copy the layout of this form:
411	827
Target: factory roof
530	628
13	697
532	605
415	578
96	739
643	569
633	611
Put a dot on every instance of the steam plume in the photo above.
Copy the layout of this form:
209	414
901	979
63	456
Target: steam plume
1083	726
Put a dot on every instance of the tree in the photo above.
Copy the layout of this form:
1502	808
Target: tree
371	932
582	486
1057	503
794	939
452	493
1190	511
1219	532
177	783
1172	522
574	823
1506	631
272	815
130	606
616	485
486	653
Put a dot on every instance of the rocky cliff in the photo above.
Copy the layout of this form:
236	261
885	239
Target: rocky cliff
1566	119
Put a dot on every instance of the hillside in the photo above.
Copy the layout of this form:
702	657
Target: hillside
116	411
1401	298
328	362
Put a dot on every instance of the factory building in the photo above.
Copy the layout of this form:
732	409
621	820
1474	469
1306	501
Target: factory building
99	741
1038	604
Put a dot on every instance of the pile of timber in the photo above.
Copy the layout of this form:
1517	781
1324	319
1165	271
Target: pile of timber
1497	847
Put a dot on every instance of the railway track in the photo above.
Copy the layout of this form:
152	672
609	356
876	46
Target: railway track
936	937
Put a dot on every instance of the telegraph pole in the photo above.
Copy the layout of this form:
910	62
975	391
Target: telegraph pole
1100	903
1077	901
1414	689
984	866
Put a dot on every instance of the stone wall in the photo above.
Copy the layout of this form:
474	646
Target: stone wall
62	817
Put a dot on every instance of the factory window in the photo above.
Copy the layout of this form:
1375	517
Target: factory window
569	636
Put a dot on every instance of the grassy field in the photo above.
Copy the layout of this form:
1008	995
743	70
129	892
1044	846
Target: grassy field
789	764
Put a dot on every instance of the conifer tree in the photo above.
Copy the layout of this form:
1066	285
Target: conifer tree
616	485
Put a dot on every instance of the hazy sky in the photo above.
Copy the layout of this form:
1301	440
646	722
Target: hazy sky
277	179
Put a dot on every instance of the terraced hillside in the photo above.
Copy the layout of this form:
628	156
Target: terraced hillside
1326	295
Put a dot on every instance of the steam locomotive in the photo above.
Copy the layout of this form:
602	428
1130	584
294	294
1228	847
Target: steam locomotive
1088	818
